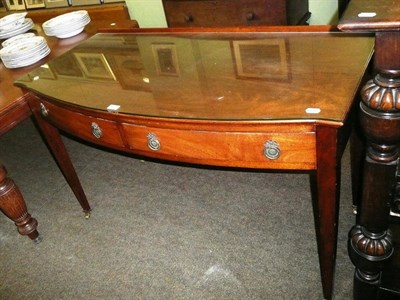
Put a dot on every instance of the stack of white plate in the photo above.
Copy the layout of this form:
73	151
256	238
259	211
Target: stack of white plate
14	24
66	25
17	38
24	51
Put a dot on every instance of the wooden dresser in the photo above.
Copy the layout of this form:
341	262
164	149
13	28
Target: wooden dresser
198	13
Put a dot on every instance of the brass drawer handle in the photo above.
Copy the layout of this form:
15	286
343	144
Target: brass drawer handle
153	142
272	150
43	110
96	130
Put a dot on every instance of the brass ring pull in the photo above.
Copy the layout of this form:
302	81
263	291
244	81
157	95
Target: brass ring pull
43	110
153	142
272	150
96	130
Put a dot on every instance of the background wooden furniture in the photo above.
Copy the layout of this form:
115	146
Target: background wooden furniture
188	13
373	245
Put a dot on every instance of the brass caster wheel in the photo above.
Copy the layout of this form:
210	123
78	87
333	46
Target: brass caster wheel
355	209
87	215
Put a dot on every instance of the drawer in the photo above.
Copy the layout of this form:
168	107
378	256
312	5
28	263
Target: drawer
97	130
238	149
225	13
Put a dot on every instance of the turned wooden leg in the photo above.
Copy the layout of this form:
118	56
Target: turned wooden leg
12	204
325	190
370	241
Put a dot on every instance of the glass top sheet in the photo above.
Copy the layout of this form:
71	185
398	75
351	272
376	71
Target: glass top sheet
217	76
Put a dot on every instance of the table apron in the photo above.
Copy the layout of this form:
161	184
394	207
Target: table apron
261	147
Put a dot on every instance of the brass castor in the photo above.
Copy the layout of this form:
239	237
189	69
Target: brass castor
87	215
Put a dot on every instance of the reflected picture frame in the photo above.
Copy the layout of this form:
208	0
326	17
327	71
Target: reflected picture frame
56	3
129	70
43	72
30	4
166	59
66	66
95	66
266	59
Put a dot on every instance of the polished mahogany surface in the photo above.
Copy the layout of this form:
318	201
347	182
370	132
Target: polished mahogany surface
213	76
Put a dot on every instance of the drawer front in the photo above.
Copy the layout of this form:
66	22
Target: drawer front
97	130
237	149
225	13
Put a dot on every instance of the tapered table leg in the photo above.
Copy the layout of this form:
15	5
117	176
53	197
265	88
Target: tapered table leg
12	204
53	139
325	190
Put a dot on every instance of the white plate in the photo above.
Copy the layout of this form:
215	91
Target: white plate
9	21
17	38
26	55
67	25
67	28
65	20
61	20
26	62
23	47
70	34
22	28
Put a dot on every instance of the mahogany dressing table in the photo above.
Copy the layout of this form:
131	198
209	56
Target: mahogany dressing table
373	245
269	98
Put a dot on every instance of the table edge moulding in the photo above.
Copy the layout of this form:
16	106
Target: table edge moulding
197	141
372	244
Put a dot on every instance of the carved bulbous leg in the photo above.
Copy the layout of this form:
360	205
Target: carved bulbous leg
12	204
370	241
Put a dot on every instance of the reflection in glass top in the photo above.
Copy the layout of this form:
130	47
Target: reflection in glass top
231	76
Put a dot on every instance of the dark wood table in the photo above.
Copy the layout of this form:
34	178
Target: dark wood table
272	98
14	109
372	244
